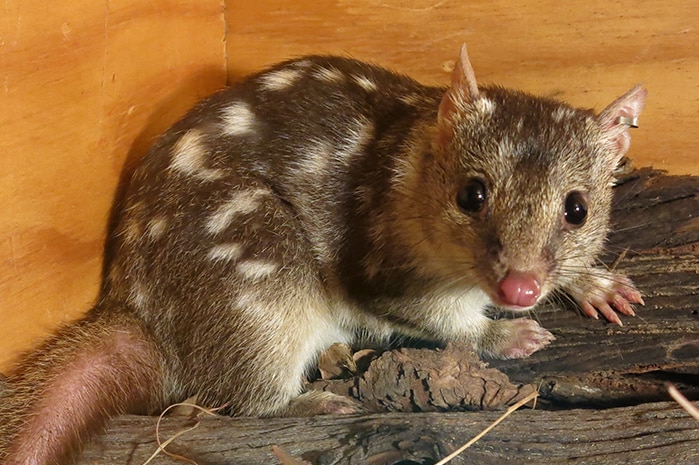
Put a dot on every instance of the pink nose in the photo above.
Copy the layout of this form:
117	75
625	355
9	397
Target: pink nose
519	289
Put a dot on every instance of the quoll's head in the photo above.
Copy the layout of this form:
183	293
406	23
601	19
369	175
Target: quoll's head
524	186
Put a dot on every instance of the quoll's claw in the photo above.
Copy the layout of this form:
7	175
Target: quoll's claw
630	293
623	305
615	294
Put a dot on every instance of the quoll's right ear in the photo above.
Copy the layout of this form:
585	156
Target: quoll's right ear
618	117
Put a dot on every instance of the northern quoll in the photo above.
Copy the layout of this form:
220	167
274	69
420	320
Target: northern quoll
327	200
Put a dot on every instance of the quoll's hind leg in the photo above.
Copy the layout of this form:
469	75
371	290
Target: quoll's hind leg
259	361
70	386
320	403
257	306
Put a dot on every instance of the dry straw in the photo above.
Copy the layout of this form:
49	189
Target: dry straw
163	445
530	397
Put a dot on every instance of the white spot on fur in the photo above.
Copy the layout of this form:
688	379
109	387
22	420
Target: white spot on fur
506	147
329	75
189	157
132	230
252	303
302	64
358	136
189	152
280	79
560	113
316	158
410	99
365	83
238	119
156	227
139	295
241	203
485	106
256	269
226	252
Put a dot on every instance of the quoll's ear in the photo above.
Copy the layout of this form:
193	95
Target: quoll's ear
464	89
618	117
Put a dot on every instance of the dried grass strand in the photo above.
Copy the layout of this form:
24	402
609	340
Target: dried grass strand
509	412
163	445
618	260
683	401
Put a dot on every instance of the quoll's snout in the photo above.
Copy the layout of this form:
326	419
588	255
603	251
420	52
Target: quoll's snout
519	289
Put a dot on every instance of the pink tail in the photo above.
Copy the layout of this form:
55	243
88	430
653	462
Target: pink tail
69	388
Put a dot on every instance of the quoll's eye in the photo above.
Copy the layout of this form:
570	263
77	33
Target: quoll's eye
575	209
473	197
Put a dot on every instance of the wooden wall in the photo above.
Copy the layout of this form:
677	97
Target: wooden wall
585	52
85	86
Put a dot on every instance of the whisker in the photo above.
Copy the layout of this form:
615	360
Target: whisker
632	227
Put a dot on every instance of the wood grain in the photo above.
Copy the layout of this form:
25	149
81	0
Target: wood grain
84	86
585	52
649	433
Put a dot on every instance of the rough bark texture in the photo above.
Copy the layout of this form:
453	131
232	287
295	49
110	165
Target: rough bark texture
427	380
649	433
617	373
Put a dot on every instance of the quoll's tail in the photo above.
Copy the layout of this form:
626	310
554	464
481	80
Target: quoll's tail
70	386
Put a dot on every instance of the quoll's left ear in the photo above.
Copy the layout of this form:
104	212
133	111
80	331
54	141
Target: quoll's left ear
618	117
463	90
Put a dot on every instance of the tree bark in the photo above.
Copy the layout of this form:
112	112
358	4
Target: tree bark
617	373
647	433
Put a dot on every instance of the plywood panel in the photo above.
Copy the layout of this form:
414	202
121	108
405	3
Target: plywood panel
585	52
84	86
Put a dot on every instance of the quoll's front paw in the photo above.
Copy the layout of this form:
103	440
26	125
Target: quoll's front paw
610	294
527	337
517	338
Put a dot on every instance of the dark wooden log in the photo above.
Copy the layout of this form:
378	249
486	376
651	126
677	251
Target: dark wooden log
647	433
617	373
